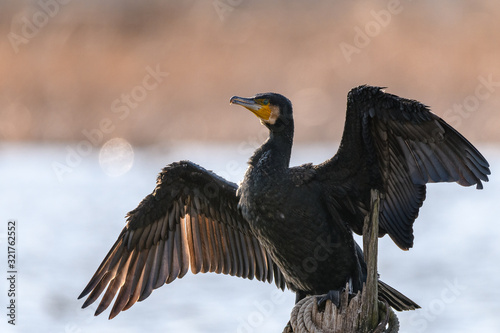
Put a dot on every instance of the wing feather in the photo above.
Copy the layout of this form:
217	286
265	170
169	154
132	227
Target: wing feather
180	225
126	290
207	251
162	271
177	257
137	282
260	265
149	273
396	145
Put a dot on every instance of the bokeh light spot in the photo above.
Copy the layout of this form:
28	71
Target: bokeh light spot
116	157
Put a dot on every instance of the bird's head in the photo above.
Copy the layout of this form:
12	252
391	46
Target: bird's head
273	110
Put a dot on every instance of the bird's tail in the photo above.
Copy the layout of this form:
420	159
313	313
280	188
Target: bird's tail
394	298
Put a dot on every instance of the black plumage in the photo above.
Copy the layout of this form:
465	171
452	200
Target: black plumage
293	225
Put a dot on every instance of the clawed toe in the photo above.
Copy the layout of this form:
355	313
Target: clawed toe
333	296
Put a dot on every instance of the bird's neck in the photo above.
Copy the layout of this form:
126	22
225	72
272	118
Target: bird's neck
274	155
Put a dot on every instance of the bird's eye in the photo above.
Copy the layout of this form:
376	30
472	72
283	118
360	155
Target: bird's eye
265	102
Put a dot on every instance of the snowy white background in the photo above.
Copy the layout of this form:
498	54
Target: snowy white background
65	227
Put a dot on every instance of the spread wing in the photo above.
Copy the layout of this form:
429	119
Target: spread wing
190	220
396	145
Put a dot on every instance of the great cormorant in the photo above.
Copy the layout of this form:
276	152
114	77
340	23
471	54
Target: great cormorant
279	220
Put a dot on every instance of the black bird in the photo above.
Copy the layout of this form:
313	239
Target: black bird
293	225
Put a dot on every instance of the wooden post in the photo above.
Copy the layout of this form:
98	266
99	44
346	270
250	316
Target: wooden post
369	305
360	314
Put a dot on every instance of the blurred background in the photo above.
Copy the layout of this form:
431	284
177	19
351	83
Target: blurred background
96	97
62	71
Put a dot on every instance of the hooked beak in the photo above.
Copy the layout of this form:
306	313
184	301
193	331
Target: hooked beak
260	110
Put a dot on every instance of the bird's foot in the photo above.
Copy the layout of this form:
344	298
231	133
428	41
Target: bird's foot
333	296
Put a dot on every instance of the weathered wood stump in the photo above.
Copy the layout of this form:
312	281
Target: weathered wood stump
362	313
